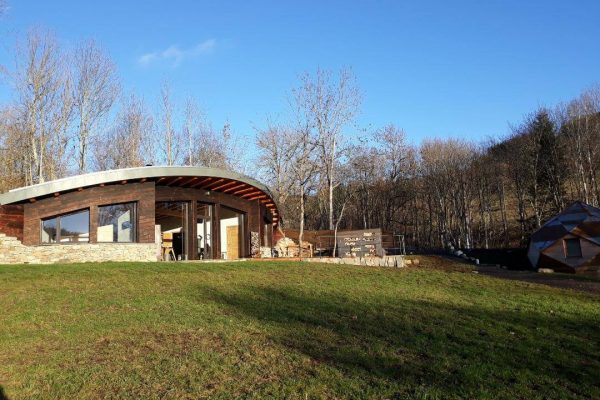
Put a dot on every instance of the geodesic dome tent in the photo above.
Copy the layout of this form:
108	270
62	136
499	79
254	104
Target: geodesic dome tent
569	242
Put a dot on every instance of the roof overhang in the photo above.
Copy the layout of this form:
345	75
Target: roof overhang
197	177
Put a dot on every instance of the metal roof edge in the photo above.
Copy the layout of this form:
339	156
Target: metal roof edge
96	178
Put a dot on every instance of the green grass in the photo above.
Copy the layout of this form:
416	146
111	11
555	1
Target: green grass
290	330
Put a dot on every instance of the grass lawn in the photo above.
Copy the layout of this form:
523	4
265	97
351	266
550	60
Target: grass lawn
290	330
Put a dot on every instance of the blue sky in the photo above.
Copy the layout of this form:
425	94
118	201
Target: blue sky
436	69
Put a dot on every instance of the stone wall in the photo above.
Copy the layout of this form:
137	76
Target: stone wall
386	261
12	251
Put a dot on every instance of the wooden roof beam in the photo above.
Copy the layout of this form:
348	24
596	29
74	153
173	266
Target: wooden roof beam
230	183
234	188
250	194
239	192
261	196
171	182
165	181
213	183
203	181
188	181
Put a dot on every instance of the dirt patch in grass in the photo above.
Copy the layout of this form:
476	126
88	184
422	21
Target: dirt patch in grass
584	283
587	284
441	263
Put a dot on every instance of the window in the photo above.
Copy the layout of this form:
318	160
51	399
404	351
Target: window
116	223
266	231
69	228
572	248
49	230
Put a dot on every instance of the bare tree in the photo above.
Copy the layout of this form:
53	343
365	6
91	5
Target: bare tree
211	150
235	149
535	167
13	145
364	165
218	149
446	167
398	162
170	142
302	151
347	191
303	146
192	128
276	147
130	142
200	144
95	90
43	102
59	138
580	128
330	105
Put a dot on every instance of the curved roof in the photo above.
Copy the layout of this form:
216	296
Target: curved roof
196	177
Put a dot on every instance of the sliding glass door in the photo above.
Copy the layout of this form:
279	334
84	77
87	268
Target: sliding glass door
204	245
172	216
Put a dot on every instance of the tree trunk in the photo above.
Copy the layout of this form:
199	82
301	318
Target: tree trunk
503	216
301	233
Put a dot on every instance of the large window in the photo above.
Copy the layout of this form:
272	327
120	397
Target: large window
572	248
69	228
116	223
50	230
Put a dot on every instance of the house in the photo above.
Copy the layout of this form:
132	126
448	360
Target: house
138	214
569	242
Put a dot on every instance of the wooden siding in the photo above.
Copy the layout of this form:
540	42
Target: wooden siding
11	220
258	216
91	198
556	252
266	223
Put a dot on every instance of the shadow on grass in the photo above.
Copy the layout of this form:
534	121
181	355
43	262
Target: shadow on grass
417	348
3	395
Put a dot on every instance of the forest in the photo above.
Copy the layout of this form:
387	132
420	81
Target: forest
68	115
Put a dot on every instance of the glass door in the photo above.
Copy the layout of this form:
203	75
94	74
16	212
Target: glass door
172	216
232	233
204	231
